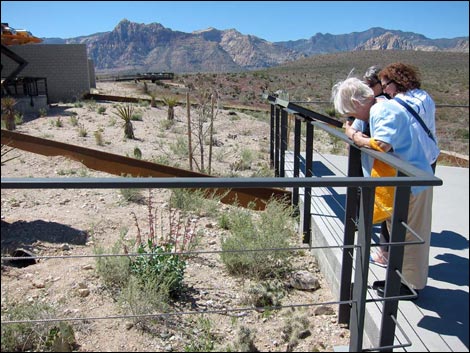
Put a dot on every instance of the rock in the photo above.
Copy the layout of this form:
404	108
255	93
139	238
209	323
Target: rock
324	310
39	283
84	292
304	280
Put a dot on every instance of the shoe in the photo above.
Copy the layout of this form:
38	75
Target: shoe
379	286
379	258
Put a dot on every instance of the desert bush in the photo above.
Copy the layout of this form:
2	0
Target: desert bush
73	120
137	153
296	326
204	340
180	147
82	132
266	294
244	341
98	138
269	229
58	122
114	271
197	201
35	337
132	195
18	118
162	271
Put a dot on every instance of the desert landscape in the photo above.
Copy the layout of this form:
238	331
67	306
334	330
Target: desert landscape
67	227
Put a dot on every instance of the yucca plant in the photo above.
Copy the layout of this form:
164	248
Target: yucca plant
171	103
8	112
126	113
153	102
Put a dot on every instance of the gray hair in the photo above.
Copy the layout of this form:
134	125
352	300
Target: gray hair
348	93
371	77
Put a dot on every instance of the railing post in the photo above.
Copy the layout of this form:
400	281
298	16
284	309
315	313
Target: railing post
350	221
307	217
395	263
296	171
283	143
361	269
271	136
277	141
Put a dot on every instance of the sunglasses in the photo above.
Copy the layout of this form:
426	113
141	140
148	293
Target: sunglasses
384	86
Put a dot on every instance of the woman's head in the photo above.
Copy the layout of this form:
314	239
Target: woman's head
371	78
352	96
398	78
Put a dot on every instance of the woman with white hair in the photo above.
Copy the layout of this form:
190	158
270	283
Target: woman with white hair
391	129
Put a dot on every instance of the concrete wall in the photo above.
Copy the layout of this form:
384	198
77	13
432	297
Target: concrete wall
66	67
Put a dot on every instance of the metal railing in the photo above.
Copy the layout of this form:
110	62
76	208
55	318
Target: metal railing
407	177
352	299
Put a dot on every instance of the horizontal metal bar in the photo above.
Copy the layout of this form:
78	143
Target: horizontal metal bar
209	182
388	158
174	313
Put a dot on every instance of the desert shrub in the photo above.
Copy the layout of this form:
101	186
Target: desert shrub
268	229
162	271
197	201
266	294
98	137
73	120
113	270
244	341
180	147
137	153
132	195
18	118
82	132
296	325
204	339
35	337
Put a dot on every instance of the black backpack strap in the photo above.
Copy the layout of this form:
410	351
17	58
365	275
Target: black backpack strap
420	121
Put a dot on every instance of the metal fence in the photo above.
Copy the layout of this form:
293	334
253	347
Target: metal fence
407	176
352	300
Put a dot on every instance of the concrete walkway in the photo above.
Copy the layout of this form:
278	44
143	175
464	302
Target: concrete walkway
438	320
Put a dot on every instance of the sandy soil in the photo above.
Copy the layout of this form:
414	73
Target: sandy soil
74	222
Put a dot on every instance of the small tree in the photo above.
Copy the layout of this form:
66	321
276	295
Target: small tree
125	113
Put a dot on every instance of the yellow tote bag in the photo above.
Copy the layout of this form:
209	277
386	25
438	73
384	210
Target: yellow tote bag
384	195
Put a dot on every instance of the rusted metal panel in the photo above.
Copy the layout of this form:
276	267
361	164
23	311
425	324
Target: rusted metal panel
124	166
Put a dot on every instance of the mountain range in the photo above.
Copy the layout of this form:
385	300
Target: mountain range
132	47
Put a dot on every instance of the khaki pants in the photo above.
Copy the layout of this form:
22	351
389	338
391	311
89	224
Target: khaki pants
416	257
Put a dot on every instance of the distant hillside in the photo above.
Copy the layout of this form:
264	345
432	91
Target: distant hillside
374	39
133	47
445	75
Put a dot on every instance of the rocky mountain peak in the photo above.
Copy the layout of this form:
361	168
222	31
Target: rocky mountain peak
142	47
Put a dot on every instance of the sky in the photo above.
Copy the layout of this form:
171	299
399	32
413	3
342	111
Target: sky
273	21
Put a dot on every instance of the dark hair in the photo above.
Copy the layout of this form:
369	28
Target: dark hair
406	77
371	76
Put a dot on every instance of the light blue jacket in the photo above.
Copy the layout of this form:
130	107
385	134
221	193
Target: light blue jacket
392	124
